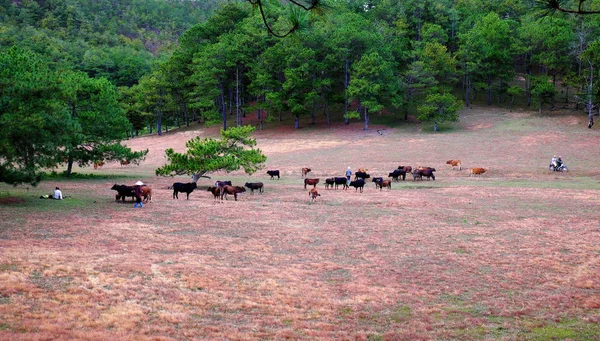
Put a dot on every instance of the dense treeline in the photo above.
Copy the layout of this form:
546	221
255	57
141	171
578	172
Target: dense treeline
76	77
425	57
118	40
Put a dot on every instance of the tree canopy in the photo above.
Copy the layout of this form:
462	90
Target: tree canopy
232	151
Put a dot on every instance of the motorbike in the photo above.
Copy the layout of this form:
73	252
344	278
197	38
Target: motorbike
557	168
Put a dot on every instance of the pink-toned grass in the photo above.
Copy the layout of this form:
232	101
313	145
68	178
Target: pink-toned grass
501	256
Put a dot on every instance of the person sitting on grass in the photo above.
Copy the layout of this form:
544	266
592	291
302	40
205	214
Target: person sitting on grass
58	194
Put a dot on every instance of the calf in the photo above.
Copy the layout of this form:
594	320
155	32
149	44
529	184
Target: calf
184	188
477	171
360	183
216	191
361	175
305	171
273	173
313	194
254	185
454	163
312	182
125	162
231	190
384	183
397	173
98	164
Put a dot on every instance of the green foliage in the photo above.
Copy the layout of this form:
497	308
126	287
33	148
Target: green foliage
31	117
234	150
440	108
542	90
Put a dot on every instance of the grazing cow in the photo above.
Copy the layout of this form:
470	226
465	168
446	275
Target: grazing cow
184	188
125	162
146	193
305	171
98	164
231	190
376	180
329	182
423	171
216	191
273	173
361	175
222	183
254	185
454	163
360	183
384	183
123	191
313	194
477	171
397	173
312	182
340	181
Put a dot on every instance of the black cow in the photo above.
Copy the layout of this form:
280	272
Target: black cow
254	185
340	181
184	188
360	183
123	191
397	173
222	183
273	173
329	182
361	175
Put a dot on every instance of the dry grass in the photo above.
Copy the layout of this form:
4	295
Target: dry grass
513	254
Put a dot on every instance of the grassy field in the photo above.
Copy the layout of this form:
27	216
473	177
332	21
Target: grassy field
511	255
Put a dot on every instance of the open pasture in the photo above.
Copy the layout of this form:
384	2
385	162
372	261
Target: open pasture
513	254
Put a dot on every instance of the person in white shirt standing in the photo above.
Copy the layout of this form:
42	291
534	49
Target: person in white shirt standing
58	194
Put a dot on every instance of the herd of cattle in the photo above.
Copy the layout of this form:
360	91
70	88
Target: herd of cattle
223	188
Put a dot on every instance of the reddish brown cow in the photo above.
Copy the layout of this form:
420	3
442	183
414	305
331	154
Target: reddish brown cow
454	163
313	194
312	182
407	169
146	193
216	191
384	183
305	171
477	171
231	190
125	162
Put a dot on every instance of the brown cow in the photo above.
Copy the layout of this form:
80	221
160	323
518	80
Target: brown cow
477	171
305	171
98	164
362	170
454	163
216	191
407	169
125	162
231	190
312	182
384	183
146	193
313	194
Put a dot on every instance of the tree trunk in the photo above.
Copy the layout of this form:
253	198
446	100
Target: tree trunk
489	97
366	118
435	126
296	122
312	113
326	114
346	82
159	122
223	107
238	116
553	97
69	166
